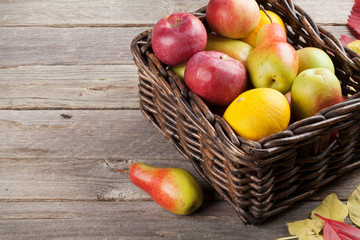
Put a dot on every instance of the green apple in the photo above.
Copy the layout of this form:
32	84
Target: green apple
312	90
273	66
179	70
311	57
236	49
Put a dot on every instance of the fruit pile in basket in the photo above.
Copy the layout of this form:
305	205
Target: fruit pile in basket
245	66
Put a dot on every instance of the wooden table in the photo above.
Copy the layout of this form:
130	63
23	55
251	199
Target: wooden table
69	114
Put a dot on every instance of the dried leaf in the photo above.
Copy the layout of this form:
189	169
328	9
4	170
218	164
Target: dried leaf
354	20
353	205
331	207
355	46
307	229
335	230
311	237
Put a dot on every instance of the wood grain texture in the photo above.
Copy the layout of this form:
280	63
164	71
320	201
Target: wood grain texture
136	220
70	179
76	46
70	155
125	220
133	13
96	134
71	87
66	46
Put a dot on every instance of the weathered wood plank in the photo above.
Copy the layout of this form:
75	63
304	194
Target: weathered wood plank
100	134
137	220
66	46
93	86
94	179
66	155
72	179
337	31
75	46
139	12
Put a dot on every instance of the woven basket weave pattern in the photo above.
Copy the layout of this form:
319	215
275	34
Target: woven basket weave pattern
258	179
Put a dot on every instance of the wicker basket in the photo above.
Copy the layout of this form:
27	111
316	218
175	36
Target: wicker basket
258	179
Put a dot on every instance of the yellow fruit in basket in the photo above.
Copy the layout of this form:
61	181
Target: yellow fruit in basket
264	19
354	45
258	112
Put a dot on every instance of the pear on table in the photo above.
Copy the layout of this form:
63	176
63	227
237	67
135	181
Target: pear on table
174	189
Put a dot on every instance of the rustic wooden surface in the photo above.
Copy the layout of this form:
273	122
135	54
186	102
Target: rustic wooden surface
69	115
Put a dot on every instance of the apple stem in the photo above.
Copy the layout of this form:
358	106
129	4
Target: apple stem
177	24
121	170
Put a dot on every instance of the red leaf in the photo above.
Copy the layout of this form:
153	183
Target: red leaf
354	19
345	40
334	230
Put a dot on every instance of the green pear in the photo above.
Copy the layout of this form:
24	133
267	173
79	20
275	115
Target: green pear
314	89
274	62
274	66
174	189
236	49
179	70
311	57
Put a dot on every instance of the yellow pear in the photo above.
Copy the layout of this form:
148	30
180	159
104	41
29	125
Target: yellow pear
264	19
236	49
179	70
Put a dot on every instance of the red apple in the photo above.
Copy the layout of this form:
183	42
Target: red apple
233	18
177	37
215	77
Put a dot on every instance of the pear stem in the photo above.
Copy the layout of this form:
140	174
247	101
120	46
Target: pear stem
263	9
286	238
121	170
